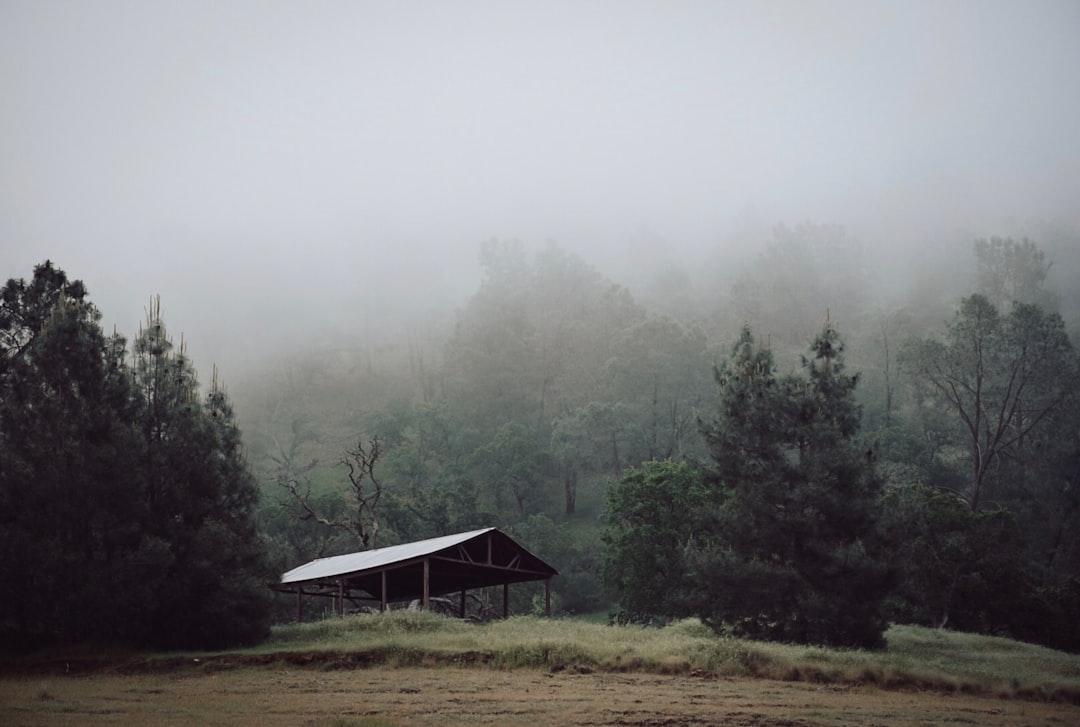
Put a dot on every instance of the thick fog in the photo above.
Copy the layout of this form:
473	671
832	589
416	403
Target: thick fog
285	170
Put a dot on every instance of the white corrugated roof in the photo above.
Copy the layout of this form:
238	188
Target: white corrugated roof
352	562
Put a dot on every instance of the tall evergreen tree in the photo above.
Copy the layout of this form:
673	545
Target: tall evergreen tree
791	555
201	499
126	506
69	505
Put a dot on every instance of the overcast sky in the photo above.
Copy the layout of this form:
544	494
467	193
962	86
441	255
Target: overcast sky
274	166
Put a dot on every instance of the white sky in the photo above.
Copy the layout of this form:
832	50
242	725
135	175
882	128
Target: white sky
272	168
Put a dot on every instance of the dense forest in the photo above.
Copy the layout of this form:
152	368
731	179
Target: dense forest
126	502
805	451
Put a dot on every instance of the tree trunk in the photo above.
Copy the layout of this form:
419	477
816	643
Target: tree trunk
570	487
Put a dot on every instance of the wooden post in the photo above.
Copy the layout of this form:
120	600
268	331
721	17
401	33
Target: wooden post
427	578
382	604
340	598
506	600
299	604
547	596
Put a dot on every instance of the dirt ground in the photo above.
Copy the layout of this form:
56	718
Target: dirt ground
480	696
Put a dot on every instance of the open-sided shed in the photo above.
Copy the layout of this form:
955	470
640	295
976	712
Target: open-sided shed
452	564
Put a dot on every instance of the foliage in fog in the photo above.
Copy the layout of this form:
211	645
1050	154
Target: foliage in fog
552	381
562	409
558	396
999	378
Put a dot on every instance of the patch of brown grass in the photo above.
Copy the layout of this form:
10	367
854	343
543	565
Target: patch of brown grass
276	694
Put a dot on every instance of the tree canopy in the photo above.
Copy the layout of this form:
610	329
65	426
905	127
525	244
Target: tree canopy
1002	376
126	504
773	496
653	517
792	553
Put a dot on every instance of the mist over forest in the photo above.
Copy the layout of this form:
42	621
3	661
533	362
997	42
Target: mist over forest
280	174
546	266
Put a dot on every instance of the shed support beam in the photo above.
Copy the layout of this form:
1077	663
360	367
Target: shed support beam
299	605
547	597
340	598
506	600
427	585
382	600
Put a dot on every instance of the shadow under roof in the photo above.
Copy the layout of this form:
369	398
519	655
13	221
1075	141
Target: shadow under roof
453	563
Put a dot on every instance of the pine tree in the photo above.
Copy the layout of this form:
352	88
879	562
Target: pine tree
790	553
69	505
126	506
201	499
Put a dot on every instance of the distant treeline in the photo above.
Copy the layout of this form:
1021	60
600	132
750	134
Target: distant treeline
555	384
796	462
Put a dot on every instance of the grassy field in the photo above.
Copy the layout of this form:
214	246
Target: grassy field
915	657
415	668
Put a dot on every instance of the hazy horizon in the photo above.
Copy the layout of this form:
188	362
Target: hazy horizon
275	170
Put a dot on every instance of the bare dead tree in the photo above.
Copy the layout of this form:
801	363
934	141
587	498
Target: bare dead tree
293	478
361	520
366	489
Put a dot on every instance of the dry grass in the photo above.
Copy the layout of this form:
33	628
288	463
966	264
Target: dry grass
932	659
449	696
915	658
406	668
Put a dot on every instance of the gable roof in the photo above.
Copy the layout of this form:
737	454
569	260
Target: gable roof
476	559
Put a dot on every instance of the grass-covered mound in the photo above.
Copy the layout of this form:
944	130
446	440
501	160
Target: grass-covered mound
915	657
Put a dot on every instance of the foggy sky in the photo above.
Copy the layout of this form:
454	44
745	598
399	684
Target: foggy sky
274	169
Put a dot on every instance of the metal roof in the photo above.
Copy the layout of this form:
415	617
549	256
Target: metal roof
417	571
341	565
450	564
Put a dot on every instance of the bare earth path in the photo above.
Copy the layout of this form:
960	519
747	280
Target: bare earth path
477	696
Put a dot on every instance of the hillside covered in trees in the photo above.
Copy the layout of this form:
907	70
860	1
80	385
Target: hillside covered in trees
802	450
